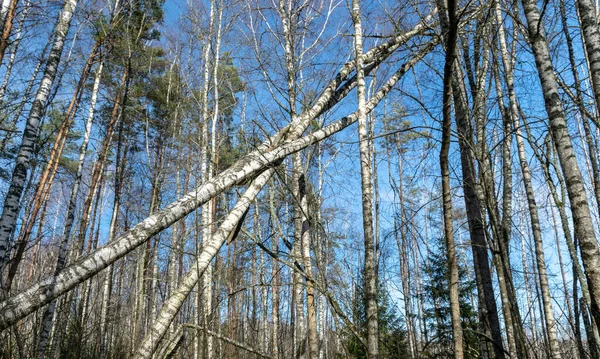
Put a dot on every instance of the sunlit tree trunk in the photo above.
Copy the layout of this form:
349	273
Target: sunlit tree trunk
47	177
70	218
580	210
451	40
370	267
13	53
7	27
12	200
272	152
228	229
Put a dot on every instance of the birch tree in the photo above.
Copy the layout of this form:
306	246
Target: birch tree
12	205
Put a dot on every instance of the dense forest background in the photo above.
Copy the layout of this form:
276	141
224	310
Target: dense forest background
299	179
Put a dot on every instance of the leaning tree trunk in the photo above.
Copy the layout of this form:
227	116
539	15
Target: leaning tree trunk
173	304
272	152
25	95
47	177
228	230
12	204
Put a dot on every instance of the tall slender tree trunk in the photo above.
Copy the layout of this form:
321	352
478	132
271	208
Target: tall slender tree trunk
305	235
539	246
370	266
401	242
474	208
512	118
590	32
579	275
47	177
70	218
27	92
12	200
206	175
591	38
120	164
322	258
99	165
13	53
451	39
8	22
531	201
580	210
506	215
299	326
275	275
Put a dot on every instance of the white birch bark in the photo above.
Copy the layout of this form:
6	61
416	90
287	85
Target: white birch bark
13	53
584	228
12	201
206	213
27	301
591	39
70	218
209	250
4	10
370	267
275	276
208	208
